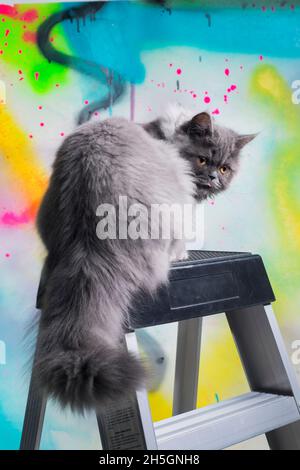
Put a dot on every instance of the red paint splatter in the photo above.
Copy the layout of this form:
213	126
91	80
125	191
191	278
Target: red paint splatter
40	107
42	124
29	16
7	255
30	136
86	102
20	72
225	98
233	87
260	57
7	32
1	52
194	95
227	72
96	113
7	10
11	219
170	65
62	134
206	99
216	111
179	71
20	51
29	36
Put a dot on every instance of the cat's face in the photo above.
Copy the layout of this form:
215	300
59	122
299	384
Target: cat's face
212	151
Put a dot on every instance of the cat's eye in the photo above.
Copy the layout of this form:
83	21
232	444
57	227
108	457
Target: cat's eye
223	169
202	161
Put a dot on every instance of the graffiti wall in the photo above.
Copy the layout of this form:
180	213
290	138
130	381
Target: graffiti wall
65	63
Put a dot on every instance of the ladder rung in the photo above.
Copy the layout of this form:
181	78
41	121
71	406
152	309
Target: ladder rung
226	423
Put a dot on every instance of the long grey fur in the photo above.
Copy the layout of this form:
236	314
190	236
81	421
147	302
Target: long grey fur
90	283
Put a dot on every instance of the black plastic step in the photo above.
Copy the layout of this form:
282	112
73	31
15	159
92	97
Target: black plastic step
208	282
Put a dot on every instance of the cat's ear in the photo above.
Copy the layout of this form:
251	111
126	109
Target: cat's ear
201	124
243	140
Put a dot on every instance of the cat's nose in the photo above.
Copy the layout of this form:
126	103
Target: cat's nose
213	175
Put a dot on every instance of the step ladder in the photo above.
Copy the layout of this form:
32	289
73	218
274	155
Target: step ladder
205	284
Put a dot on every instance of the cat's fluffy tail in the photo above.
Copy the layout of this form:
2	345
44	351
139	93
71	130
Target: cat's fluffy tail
89	379
80	360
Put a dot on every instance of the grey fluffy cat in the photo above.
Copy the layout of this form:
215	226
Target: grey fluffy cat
90	283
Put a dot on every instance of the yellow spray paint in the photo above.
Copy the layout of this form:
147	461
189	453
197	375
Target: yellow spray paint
20	161
270	89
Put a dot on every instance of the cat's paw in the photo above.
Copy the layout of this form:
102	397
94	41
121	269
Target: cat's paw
179	256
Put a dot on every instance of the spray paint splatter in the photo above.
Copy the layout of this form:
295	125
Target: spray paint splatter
29	16
23	166
8	10
29	36
11	219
